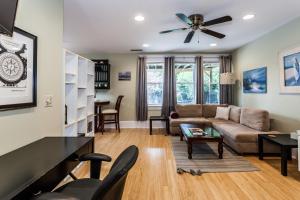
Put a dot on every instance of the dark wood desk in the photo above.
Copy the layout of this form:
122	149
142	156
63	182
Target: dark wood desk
40	166
98	110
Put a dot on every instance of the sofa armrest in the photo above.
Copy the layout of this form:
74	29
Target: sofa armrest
272	132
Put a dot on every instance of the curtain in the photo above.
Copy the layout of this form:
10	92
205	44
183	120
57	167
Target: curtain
226	91
141	92
199	80
169	88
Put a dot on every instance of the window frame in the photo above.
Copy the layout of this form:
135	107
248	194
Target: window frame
193	83
162	81
211	61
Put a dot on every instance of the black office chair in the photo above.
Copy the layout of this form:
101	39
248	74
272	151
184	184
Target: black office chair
112	186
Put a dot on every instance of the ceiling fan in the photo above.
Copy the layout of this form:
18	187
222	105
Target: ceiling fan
196	22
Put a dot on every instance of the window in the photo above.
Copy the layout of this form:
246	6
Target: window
155	73
211	74
185	82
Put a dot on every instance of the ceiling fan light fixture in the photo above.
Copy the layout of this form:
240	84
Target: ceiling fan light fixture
213	44
248	16
139	18
146	45
195	22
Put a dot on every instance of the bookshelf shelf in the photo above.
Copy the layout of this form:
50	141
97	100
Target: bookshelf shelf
79	86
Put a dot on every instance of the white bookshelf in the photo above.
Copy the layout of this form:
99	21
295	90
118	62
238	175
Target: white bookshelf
79	94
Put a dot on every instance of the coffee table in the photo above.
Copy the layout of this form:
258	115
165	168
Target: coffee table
212	135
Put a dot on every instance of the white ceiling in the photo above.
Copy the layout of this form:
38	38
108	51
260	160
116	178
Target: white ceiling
108	26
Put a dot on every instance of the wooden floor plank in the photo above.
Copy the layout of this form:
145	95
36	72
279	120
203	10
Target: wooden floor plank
154	176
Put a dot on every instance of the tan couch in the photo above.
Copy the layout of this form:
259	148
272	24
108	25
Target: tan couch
240	131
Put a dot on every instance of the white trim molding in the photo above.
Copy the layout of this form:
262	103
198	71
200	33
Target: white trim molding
137	124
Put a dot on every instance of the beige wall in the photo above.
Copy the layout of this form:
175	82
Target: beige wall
285	109
122	63
19	127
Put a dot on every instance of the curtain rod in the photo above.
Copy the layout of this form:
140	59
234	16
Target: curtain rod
183	56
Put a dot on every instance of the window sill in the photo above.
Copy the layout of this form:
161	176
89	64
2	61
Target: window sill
154	107
186	103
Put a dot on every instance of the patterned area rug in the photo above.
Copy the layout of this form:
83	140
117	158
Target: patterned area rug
205	159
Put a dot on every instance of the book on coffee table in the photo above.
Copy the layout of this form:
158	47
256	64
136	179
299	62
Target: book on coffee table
197	131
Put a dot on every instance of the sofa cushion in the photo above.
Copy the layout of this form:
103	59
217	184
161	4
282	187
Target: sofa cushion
256	119
193	120
235	113
194	110
237	132
210	110
222	113
220	121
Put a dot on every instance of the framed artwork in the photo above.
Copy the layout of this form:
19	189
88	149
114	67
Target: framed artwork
255	81
124	76
289	61
18	70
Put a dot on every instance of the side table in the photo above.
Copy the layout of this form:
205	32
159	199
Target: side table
160	118
286	144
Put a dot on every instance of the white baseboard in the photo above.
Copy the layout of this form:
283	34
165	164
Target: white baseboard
137	124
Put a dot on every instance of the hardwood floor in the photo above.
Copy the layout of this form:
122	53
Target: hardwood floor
154	176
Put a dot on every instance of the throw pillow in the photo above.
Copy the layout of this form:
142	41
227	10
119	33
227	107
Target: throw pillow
235	113
174	115
223	113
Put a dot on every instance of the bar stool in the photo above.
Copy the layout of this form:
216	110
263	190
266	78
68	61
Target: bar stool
112	112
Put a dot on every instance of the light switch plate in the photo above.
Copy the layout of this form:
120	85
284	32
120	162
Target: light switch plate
48	101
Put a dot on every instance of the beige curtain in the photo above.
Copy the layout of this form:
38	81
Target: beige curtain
199	79
169	89
226	91
141	92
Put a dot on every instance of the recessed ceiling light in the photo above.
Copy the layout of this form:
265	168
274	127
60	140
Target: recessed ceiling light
139	18
146	45
249	16
213	45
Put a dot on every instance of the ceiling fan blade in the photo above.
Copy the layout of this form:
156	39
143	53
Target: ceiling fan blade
169	31
213	33
217	21
189	37
184	18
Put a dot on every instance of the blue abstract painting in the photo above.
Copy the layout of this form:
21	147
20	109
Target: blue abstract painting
255	81
292	70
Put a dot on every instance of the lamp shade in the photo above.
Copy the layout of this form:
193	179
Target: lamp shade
227	79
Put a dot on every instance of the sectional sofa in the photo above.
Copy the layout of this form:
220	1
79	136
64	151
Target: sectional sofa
240	131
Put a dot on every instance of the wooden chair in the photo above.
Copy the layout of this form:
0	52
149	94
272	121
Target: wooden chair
115	113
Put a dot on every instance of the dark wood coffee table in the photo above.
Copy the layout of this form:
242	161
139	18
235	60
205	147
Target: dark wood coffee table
212	136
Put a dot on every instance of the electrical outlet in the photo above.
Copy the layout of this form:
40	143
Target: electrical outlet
48	101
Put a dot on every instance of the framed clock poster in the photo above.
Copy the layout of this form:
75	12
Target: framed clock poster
18	70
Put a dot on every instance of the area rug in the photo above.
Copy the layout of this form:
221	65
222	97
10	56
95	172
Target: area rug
205	159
